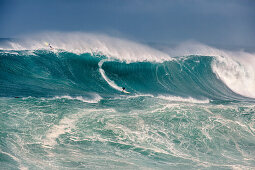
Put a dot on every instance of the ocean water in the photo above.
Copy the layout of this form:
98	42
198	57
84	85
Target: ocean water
63	108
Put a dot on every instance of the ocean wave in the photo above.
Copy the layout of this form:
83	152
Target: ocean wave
81	64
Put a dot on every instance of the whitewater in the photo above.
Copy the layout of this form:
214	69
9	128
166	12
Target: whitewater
190	106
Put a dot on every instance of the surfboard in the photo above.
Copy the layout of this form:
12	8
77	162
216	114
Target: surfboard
124	91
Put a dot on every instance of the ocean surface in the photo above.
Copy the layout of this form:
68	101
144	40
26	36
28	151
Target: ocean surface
62	108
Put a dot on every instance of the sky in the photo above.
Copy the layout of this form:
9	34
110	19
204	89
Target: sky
213	22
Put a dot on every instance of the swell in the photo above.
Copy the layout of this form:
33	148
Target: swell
45	73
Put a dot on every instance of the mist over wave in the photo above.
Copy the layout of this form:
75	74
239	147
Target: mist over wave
80	43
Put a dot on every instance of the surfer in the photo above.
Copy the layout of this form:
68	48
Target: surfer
123	89
50	47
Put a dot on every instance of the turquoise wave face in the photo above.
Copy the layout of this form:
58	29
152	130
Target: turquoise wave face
46	74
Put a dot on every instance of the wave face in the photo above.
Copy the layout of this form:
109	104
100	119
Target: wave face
64	108
43	73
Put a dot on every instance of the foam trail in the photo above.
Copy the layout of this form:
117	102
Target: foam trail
22	167
110	82
64	126
96	98
180	99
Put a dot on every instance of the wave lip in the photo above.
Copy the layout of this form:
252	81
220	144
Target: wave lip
234	68
239	76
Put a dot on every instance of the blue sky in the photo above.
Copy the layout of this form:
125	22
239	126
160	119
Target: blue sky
213	22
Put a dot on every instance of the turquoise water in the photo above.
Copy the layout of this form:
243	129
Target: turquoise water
69	112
